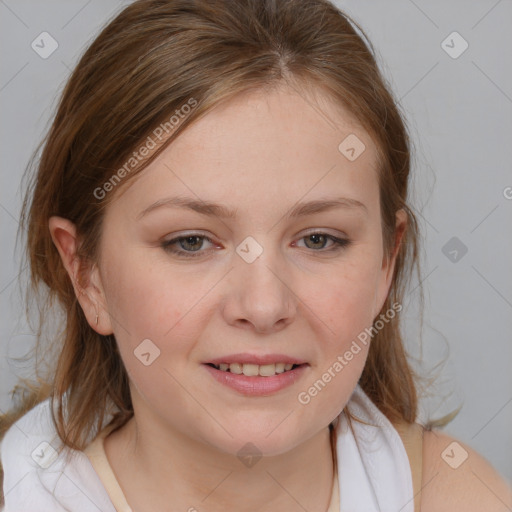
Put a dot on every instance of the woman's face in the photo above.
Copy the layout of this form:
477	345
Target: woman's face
264	282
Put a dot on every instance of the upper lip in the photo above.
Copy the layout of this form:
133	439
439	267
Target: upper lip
256	359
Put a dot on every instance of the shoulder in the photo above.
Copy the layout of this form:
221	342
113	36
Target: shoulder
25	447
34	424
41	474
456	477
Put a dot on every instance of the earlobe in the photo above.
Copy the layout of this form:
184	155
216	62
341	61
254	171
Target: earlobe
64	236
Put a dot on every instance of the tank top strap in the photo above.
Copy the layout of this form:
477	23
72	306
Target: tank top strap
412	438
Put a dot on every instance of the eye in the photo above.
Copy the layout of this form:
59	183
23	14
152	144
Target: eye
318	240
193	241
190	246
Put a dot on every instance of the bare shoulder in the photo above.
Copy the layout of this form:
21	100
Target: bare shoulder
456	477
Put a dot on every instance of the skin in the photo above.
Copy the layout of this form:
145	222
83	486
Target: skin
474	486
259	153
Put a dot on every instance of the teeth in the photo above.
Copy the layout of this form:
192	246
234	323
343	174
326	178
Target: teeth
280	367
250	370
236	368
253	370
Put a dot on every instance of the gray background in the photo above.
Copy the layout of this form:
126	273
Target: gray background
459	113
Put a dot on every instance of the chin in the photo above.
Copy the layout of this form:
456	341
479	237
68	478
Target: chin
263	439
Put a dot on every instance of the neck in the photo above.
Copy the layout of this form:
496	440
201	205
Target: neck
194	476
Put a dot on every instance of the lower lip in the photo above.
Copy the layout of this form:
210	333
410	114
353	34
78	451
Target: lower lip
257	386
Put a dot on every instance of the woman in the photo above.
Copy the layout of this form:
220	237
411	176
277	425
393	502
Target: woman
221	210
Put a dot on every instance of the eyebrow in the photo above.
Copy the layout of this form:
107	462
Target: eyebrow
217	210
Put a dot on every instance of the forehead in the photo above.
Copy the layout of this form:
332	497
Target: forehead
257	121
265	147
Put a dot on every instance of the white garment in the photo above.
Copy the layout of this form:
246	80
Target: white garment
373	468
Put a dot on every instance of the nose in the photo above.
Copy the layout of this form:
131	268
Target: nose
258	296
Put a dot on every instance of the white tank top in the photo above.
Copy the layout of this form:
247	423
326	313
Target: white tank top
374	474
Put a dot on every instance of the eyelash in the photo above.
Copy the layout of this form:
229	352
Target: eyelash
339	244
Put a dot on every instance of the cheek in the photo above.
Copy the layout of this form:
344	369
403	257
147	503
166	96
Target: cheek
146	307
144	300
343	344
346	300
150	300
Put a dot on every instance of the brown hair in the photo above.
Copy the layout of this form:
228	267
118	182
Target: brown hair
144	66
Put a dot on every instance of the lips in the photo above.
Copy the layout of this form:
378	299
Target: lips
256	384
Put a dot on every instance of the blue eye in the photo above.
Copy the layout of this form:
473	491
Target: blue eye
190	245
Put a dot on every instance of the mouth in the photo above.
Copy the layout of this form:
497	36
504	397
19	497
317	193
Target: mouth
255	370
257	380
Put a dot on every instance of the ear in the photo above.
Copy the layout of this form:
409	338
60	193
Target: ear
388	263
86	279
